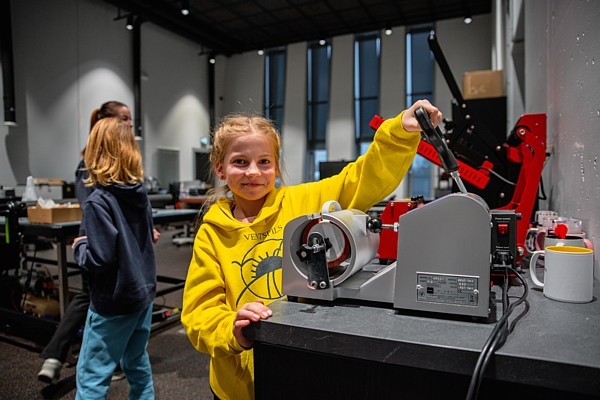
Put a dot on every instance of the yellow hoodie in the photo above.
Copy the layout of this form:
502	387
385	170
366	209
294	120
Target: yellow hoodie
235	262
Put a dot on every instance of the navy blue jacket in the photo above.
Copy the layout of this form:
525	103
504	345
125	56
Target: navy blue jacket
118	252
81	191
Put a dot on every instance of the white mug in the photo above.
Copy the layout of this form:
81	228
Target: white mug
568	273
544	239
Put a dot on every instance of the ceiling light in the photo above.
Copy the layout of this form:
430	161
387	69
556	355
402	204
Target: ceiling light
468	19
185	7
322	42
388	31
212	59
129	24
261	52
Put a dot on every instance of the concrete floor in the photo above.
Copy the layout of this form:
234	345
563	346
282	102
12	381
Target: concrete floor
179	371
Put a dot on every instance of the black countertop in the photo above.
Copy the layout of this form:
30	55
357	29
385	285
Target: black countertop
555	345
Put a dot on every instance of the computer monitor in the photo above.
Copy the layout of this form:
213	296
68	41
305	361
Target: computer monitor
330	168
202	168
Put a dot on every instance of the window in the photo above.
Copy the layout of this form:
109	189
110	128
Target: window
367	57
275	85
318	79
419	85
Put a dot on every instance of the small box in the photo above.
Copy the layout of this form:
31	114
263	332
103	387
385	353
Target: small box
483	84
38	215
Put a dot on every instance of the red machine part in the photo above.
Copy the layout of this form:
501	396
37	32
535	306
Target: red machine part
388	238
467	173
530	152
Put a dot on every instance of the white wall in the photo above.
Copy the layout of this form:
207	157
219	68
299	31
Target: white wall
294	120
242	90
340	127
567	48
174	99
62	71
70	57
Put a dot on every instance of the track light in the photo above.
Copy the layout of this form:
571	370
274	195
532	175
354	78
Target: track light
185	7
129	18
210	54
129	24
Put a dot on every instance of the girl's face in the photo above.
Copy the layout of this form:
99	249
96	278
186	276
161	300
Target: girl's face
124	114
249	167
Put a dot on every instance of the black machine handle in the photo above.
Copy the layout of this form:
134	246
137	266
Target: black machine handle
435	48
435	137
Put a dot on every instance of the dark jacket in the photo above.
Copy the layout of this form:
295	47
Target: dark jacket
118	252
81	191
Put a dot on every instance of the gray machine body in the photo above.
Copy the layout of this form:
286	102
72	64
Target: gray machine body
443	260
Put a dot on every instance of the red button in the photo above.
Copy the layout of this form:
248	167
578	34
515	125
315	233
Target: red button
503	229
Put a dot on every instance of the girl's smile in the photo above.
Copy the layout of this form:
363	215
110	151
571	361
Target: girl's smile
250	169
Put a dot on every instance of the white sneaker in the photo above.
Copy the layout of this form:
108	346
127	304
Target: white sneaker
117	376
50	371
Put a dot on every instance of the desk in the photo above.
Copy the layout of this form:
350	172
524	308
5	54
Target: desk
349	351
186	236
192	201
62	234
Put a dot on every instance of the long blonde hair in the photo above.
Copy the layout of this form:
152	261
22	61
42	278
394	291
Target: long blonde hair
113	156
230	128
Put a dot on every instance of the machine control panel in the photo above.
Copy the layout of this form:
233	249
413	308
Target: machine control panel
504	242
447	289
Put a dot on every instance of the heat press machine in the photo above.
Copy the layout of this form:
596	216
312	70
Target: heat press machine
446	251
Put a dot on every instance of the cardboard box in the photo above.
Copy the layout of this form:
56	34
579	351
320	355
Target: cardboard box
483	84
38	215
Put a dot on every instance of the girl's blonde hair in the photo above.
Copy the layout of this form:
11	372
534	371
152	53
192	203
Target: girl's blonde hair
113	156
230	128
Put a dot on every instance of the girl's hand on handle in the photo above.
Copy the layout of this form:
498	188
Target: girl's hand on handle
250	312
409	121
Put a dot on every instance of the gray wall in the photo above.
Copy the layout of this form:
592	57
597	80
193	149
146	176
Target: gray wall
562	70
70	56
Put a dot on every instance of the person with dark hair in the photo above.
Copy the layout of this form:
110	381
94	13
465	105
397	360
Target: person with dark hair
110	109
56	351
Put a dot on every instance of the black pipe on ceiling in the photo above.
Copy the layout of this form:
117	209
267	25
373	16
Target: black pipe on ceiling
6	57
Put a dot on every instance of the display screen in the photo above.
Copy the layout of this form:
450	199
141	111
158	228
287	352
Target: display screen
330	168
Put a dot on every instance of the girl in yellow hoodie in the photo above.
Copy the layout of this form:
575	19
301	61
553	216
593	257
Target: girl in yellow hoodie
235	271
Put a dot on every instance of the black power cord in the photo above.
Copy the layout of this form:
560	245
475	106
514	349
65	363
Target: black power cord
499	334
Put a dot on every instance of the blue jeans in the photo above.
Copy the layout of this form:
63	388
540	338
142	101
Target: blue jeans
108	340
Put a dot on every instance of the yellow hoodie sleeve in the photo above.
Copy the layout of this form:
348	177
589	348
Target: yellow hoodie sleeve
206	316
373	176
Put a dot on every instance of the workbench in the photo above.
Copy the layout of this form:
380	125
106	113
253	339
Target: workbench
361	351
61	236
